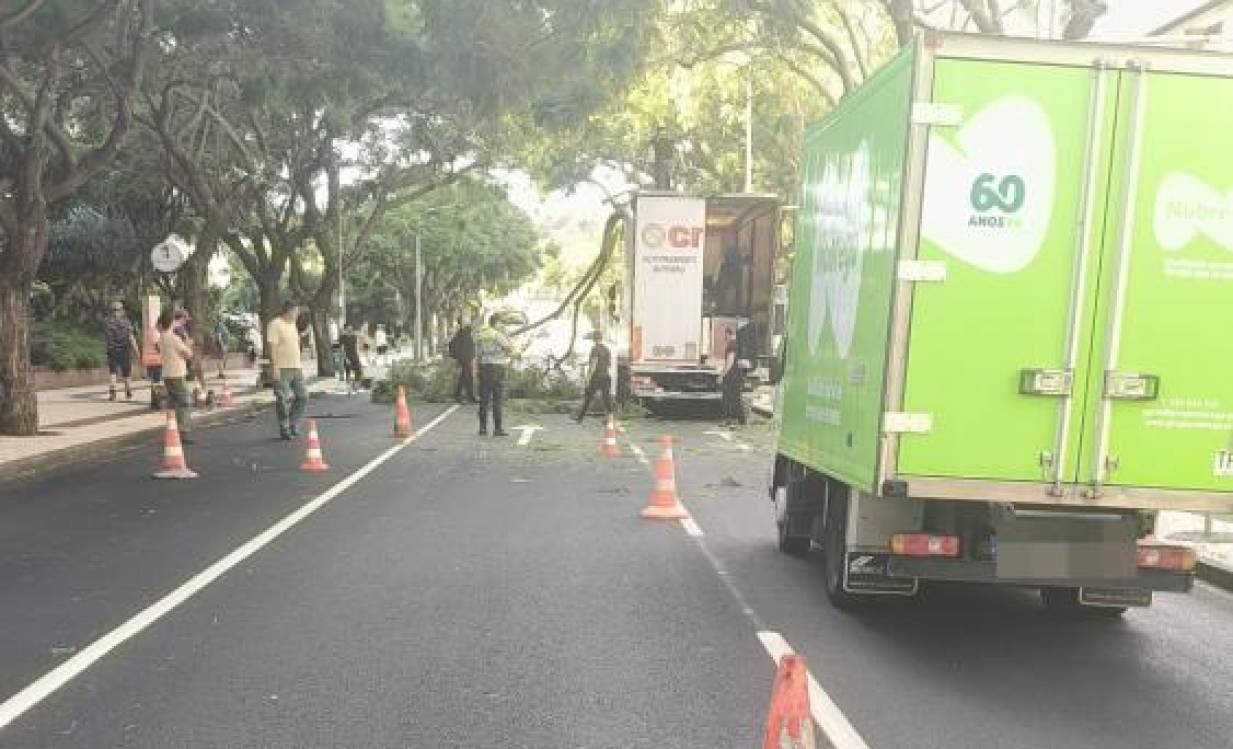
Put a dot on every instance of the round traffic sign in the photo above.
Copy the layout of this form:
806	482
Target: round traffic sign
168	255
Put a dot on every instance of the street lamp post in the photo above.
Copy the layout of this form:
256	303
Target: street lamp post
747	68
749	128
342	289
419	306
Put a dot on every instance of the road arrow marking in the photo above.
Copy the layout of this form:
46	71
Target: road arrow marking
528	431
726	436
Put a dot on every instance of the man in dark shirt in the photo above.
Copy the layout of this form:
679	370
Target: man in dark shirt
353	371
732	381
600	380
462	350
118	332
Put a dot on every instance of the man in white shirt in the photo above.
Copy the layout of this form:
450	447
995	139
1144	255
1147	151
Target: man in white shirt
284	339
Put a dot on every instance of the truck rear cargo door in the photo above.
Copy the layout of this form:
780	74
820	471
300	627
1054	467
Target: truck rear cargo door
669	239
1160	390
995	347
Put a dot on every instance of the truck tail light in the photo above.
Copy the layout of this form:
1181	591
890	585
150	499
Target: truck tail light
924	545
1175	558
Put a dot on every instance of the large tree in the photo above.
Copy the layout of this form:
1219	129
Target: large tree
69	70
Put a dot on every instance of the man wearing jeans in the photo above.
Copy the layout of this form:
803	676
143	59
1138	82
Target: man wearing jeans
284	340
493	350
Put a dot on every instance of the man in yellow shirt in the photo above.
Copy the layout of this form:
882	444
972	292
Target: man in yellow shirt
284	339
174	354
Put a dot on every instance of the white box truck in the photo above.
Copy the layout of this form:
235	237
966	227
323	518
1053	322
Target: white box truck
694	267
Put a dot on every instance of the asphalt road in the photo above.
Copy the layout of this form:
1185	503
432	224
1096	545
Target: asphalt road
473	592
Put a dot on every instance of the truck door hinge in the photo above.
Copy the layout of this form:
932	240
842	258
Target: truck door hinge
936	114
922	271
898	422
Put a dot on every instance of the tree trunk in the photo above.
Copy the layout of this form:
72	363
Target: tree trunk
18	406
269	307
320	321
19	410
193	288
664	163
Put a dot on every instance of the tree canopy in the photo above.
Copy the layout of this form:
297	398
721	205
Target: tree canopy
308	137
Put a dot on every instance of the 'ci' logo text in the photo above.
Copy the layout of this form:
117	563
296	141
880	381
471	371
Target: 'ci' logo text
994	201
656	235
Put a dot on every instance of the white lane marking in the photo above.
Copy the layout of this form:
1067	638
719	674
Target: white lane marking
744	447
48	683
639	453
830	719
528	431
691	527
726	436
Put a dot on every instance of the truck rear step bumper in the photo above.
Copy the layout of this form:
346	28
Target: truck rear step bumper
670	396
986	572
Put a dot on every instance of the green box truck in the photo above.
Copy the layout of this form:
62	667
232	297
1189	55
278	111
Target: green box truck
1007	342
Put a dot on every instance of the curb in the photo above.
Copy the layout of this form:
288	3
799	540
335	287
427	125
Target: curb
1215	573
39	466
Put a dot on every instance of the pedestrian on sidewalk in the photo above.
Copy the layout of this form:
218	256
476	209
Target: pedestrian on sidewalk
175	354
222	342
283	338
462	350
118	332
600	379
493	350
353	369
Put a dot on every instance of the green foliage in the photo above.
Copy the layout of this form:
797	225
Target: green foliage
473	242
433	382
62	346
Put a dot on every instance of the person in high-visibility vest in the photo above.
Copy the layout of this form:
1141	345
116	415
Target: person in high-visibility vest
493	350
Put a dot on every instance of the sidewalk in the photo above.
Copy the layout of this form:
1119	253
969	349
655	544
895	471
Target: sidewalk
81	424
1210	536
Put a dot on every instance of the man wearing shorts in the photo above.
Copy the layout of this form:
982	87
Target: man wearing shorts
118	332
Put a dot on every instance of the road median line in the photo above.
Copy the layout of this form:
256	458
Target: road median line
830	720
15	706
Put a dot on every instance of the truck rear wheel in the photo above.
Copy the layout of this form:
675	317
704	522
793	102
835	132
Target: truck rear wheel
789	520
1065	602
835	546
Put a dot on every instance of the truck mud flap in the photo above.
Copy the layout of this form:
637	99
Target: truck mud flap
868	573
1116	597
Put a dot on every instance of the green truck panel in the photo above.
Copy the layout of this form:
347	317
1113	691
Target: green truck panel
1083	216
841	289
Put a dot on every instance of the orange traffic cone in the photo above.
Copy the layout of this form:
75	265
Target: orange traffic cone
313	459
227	399
402	415
174	466
609	446
665	504
788	723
